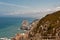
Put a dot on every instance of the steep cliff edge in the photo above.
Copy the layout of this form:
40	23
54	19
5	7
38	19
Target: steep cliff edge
47	27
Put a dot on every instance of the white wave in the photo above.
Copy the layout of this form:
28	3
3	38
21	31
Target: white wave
4	39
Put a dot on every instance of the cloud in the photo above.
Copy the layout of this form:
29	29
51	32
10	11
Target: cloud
30	11
14	5
27	12
57	8
34	11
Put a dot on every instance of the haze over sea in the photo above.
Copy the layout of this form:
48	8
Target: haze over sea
9	26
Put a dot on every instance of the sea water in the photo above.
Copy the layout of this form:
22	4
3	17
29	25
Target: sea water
9	26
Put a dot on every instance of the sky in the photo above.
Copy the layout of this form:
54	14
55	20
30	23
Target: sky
28	8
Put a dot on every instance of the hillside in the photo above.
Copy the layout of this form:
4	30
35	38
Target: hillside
47	27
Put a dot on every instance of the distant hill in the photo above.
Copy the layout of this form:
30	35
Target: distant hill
47	27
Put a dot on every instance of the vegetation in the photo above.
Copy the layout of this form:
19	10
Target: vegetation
47	26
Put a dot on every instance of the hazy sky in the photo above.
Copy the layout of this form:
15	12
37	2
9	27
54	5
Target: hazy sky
31	8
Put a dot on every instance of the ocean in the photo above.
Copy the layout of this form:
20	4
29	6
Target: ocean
9	26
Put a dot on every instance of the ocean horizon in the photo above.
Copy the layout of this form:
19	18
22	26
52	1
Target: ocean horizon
9	26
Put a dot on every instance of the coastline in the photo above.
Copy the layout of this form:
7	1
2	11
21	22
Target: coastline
43	29
11	30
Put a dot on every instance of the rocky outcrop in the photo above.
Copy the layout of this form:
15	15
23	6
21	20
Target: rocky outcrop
25	25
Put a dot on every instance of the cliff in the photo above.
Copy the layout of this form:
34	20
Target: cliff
47	27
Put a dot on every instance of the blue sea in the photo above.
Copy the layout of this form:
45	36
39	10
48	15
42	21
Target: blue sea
9	26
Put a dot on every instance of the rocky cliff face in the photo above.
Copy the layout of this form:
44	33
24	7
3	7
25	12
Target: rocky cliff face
47	27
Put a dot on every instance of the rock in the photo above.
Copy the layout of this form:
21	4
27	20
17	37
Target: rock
18	36
13	39
25	25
